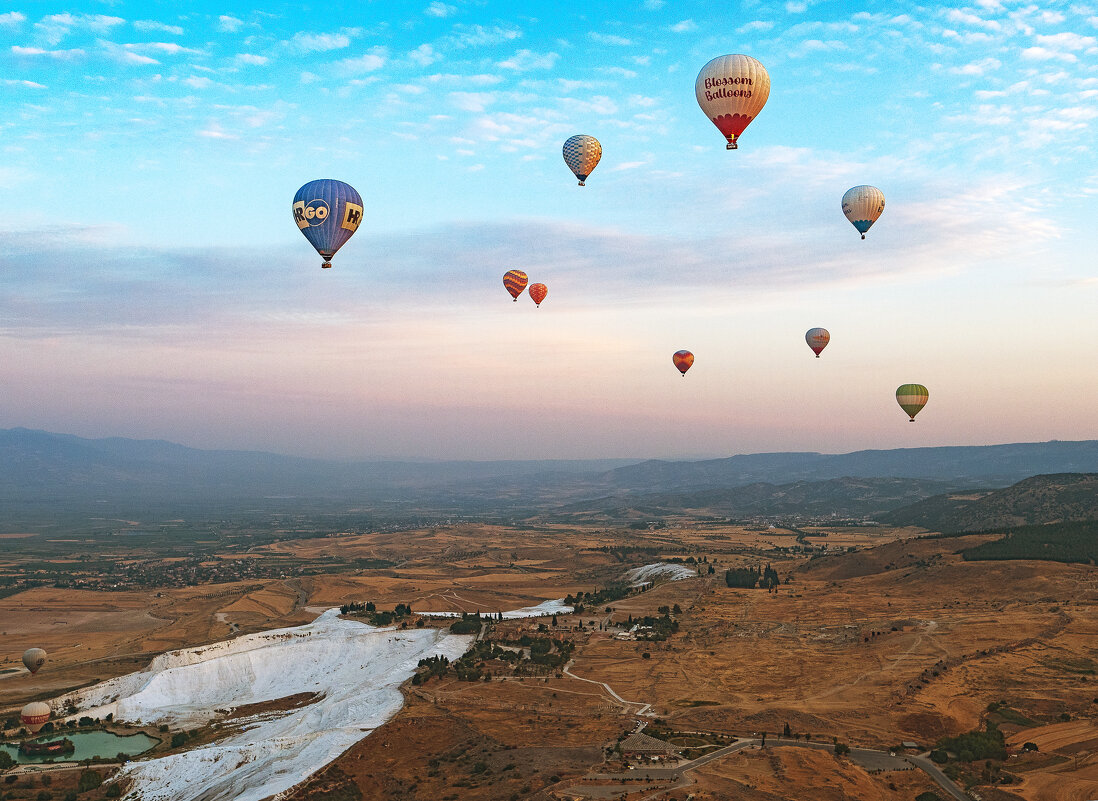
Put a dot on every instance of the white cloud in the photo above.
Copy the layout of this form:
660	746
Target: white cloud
424	55
961	17
198	82
654	5
38	51
368	62
1044	54
227	24
308	77
525	60
12	19
796	8
440	10
756	25
686	26
1069	41
977	67
609	39
620	72
321	42
481	79
55	27
170	48
478	35
472	101
251	59
214	131
148	25
26	84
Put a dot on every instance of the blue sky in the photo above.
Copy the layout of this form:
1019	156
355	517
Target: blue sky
154	285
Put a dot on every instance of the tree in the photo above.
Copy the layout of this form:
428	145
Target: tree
787	732
6	762
841	749
178	739
89	780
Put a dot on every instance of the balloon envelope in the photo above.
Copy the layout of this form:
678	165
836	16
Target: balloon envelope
538	293
732	90
34	658
862	205
515	281
582	154
683	359
912	398
34	716
327	212
817	339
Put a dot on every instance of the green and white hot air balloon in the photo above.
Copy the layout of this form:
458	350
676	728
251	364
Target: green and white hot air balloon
912	398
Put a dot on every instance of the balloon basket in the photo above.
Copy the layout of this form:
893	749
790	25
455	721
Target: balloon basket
326	265
731	146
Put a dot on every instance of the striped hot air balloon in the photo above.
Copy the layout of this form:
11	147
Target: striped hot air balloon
515	281
327	212
683	359
912	398
34	716
538	293
732	90
862	205
34	658
582	154
817	339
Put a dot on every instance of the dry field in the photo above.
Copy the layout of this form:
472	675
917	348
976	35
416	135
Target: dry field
899	640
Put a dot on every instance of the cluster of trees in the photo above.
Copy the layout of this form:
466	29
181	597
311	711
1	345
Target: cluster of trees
370	611
470	622
614	592
1055	542
750	577
987	744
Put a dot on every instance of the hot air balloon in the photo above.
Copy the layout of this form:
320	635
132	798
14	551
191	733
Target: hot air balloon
582	154
683	359
328	213
515	281
862	205
912	398
34	658
817	339
34	716
538	293
732	90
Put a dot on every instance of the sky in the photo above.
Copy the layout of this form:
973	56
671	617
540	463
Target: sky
153	283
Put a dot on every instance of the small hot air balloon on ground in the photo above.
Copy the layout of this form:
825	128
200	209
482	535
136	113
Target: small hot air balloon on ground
912	398
683	359
538	293
515	281
328	213
732	90
34	716
582	154
34	658
817	339
862	205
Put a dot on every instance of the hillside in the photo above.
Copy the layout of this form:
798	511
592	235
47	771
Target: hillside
1032	501
835	498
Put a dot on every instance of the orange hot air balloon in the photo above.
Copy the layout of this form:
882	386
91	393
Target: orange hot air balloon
34	716
817	339
515	281
683	359
538	293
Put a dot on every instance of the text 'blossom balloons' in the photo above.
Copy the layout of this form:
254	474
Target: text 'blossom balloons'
515	281
327	212
862	205
912	398
732	90
582	154
538	293
683	359
34	658
34	716
817	339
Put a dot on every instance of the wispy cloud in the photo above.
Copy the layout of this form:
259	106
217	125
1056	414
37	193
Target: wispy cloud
24	83
609	39
227	24
53	28
370	61
440	10
18	50
12	19
251	59
685	26
148	25
526	60
479	35
305	42
424	55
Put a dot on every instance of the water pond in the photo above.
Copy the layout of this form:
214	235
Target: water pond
88	744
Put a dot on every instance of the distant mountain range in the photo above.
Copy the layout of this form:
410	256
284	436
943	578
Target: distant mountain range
41	470
1036	500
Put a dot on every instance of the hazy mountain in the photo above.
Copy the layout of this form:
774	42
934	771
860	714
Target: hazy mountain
990	465
838	497
1035	500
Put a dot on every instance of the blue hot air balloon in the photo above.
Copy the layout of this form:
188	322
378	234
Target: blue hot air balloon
328	212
